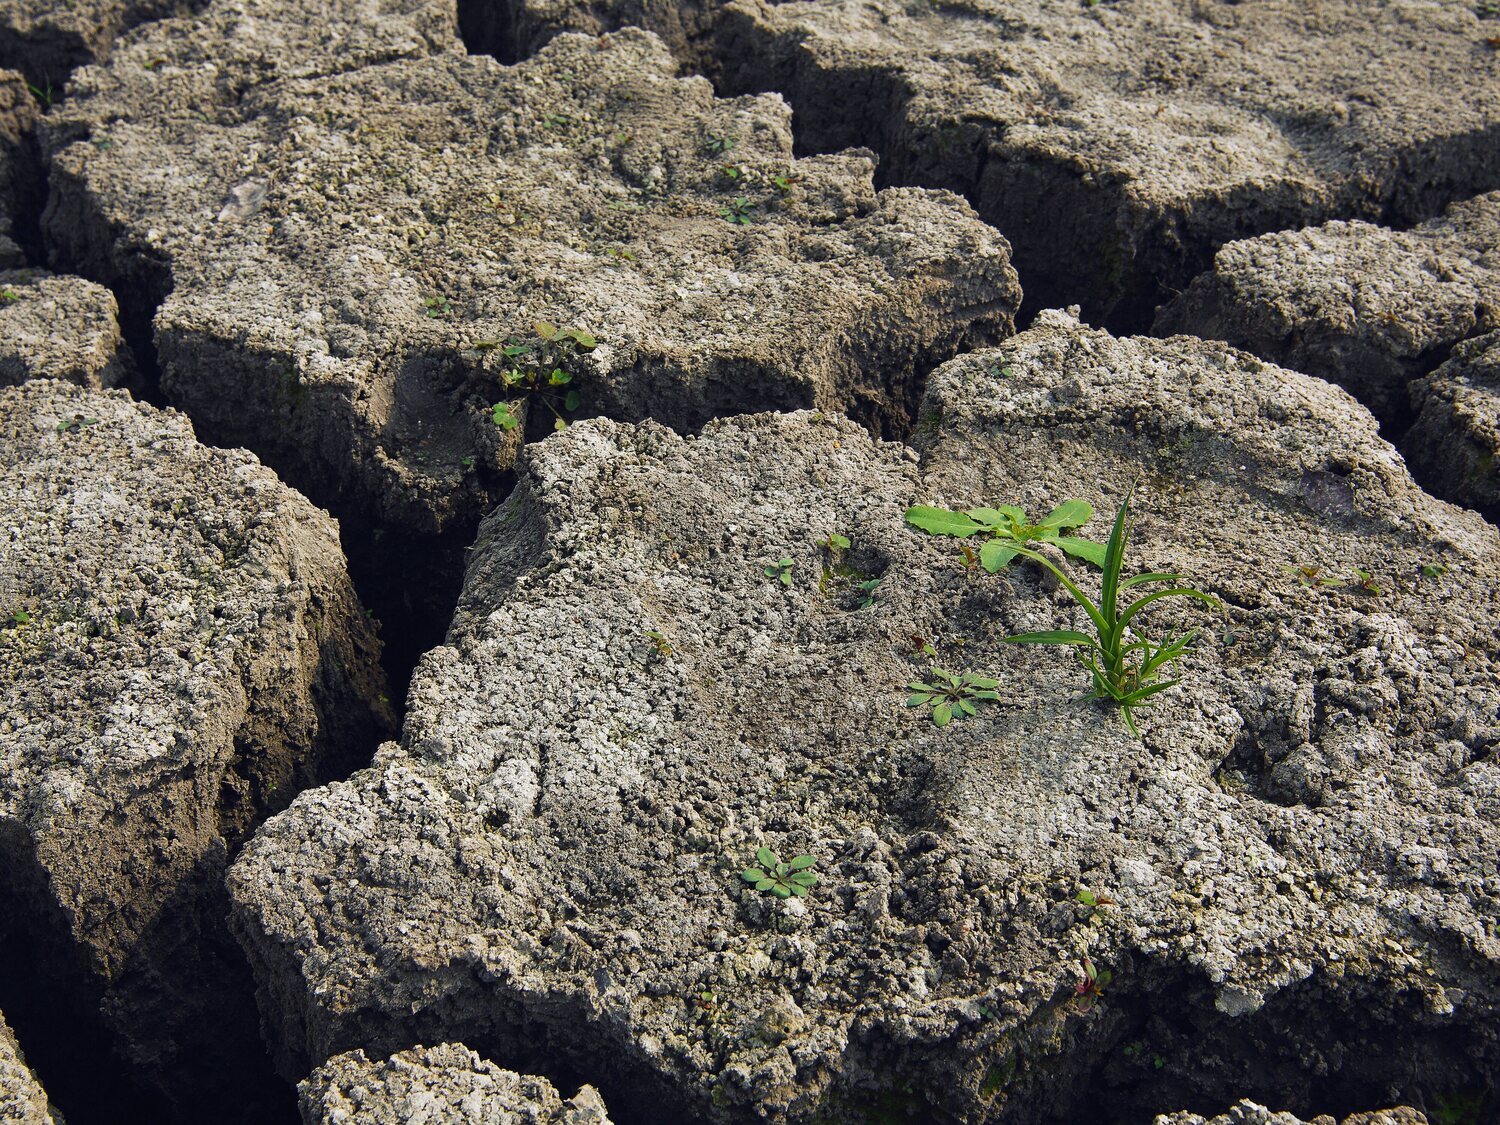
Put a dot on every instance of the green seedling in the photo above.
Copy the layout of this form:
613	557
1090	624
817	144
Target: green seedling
835	542
951	695
15	620
74	424
42	94
867	591
663	646
1089	989
437	306
540	369
716	144
780	569
737	210
1124	665
8	296
1007	530
917	645
781	879
1091	900
1365	582
1315	577
785	183
1434	570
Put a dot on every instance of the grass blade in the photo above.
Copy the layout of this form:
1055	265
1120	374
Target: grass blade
1051	637
1175	592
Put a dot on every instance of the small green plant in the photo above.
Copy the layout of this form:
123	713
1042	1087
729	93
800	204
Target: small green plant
1124	665
663	646
1434	570
868	589
1088	990
8	295
781	879
785	183
42	93
74	424
781	570
737	210
1007	530
438	306
1315	577
15	620
1487	9
716	144
950	695
1365	582
834	542
541	370
1457	1108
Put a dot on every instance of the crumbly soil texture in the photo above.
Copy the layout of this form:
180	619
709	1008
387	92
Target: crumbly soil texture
1286	888
180	651
585	356
1117	143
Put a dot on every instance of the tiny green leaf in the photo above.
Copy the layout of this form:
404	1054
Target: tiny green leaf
765	857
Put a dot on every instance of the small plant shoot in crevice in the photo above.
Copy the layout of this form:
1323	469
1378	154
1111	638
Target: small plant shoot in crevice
539	370
1007	528
1124	664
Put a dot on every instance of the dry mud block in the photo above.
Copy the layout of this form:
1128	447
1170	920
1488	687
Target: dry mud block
1116	145
21	184
1454	445
48	38
1366	307
1298	860
59	328
443	1085
349	258
180	650
1247	1112
22	1099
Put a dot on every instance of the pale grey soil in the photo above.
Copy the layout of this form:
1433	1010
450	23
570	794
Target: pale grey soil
436	1086
60	328
180	649
1364	306
1455	442
789	241
1300	851
22	1099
